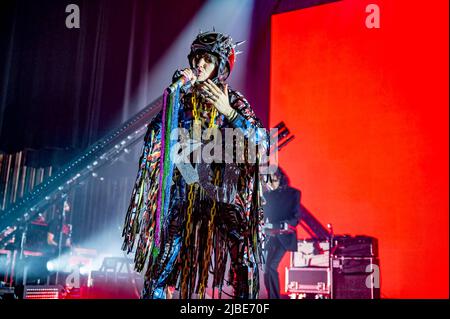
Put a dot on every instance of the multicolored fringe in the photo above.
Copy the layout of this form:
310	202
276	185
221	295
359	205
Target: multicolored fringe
139	220
171	108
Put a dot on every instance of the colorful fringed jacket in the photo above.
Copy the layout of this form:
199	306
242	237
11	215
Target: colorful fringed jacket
157	195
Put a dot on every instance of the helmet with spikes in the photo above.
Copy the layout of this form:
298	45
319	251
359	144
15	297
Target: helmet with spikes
219	44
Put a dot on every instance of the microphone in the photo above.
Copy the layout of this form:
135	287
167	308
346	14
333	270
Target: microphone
182	81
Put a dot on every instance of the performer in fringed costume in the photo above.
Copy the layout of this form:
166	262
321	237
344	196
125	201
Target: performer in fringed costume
185	221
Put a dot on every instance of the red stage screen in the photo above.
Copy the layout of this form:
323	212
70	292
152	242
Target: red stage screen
369	108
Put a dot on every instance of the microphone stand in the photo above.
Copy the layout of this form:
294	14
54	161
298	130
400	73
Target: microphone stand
22	253
63	217
330	257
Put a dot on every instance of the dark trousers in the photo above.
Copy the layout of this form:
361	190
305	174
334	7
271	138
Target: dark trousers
275	252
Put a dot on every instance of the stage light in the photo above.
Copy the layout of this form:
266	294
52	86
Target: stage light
51	266
233	17
84	270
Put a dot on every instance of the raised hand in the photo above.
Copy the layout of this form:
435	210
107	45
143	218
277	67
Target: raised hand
216	97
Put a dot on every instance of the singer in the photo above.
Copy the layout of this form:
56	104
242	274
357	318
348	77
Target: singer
184	232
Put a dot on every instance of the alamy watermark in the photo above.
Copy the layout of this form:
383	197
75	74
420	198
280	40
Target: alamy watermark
232	146
373	280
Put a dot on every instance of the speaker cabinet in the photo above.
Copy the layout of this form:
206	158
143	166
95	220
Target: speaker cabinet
356	278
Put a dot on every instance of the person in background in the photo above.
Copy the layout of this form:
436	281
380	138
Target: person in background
60	229
282	215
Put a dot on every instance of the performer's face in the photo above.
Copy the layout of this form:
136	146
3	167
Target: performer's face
275	183
205	64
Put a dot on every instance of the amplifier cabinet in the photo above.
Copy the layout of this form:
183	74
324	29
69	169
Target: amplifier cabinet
311	253
351	278
357	246
356	278
308	280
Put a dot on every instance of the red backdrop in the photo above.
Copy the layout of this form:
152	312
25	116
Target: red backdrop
369	108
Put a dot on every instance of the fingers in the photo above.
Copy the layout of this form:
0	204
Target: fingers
211	89
212	95
205	91
210	100
185	72
210	84
189	74
209	92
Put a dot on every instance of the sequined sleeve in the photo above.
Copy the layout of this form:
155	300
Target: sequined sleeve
247	121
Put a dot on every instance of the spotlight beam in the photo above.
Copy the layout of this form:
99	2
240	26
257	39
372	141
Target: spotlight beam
101	153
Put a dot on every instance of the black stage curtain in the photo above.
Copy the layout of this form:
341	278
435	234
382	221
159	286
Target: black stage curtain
62	89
